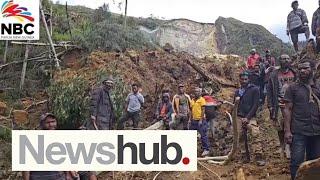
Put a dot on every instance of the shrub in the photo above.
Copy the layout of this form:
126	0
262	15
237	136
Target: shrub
69	98
69	102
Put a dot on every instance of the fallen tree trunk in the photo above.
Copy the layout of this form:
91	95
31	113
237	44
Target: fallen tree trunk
210	77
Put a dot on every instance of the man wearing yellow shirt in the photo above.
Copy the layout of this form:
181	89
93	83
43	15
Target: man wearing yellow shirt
199	121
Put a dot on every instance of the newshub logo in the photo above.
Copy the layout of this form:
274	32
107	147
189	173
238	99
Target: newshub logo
145	150
19	20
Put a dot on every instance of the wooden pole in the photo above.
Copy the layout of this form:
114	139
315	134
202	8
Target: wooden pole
51	17
24	67
5	52
49	37
68	20
125	14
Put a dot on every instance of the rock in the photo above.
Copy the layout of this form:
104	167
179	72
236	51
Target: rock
3	108
20	116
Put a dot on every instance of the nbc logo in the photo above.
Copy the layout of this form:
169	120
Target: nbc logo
19	20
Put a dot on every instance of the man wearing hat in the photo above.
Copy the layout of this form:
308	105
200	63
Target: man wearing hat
297	23
101	107
181	108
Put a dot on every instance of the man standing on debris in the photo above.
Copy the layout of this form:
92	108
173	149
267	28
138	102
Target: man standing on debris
134	103
302	124
248	105
297	23
199	121
101	107
315	27
164	110
181	108
253	59
210	110
257	75
279	81
48	121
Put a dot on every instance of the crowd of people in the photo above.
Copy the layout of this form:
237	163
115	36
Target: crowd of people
292	99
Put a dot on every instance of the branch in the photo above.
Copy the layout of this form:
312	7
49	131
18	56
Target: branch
210	170
42	44
37	59
155	177
36	104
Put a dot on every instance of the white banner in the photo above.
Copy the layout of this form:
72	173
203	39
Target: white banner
19	20
104	150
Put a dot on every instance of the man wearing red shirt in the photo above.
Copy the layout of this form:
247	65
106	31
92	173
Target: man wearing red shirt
252	59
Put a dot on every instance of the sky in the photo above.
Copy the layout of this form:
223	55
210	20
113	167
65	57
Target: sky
271	14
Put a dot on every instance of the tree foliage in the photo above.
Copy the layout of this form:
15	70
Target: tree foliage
69	101
110	37
69	98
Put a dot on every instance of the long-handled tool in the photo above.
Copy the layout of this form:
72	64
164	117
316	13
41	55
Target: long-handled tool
245	136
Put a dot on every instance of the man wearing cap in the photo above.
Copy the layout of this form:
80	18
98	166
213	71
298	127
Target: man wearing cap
101	107
181	109
47	122
315	26
253	58
297	23
164	110
248	105
279	81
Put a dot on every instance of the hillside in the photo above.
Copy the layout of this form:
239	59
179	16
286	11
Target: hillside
102	29
236	37
226	36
